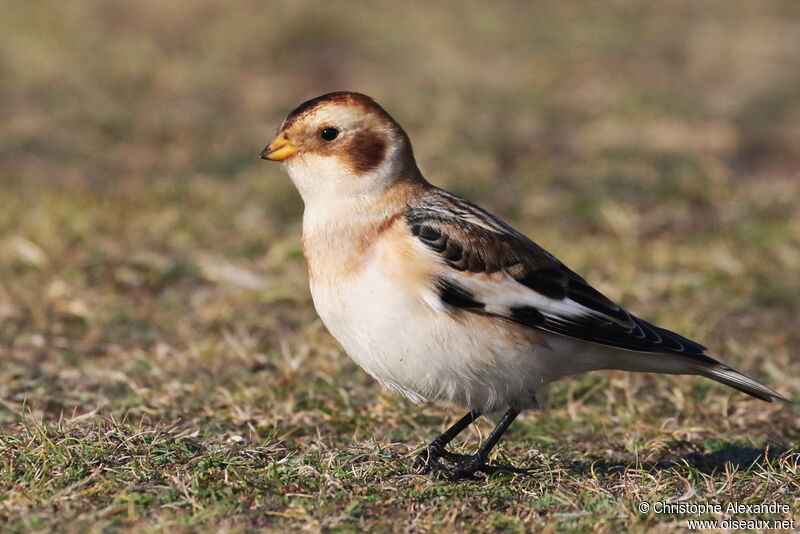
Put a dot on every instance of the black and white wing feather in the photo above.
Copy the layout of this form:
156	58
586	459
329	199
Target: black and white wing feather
527	285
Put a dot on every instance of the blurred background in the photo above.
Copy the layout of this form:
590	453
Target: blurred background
150	263
153	294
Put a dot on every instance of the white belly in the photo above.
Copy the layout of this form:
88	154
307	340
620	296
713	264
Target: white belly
412	344
375	294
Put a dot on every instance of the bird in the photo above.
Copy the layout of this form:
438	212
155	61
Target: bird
441	301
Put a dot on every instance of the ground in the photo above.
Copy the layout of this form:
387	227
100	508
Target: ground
161	365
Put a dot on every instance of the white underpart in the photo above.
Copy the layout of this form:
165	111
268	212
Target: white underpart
411	342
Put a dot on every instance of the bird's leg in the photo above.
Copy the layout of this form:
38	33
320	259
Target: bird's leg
428	459
477	462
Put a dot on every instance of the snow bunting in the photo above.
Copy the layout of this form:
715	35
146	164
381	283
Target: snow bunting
438	299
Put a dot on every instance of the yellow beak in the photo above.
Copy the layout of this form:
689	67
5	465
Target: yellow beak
279	149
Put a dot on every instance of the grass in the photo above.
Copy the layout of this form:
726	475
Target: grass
162	365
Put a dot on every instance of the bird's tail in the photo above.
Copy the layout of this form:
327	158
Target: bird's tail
730	377
684	365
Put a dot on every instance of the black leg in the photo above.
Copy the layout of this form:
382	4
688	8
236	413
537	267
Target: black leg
428	459
477	462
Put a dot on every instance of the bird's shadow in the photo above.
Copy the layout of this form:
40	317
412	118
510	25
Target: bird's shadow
679	455
682	454
687	454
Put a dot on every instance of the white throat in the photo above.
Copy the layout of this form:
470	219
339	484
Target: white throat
331	191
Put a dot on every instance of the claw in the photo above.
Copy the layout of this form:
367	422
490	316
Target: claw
467	468
425	465
429	459
470	465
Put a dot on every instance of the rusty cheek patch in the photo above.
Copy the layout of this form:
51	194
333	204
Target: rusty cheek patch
365	151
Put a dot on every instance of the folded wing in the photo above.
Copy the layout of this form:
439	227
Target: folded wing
490	268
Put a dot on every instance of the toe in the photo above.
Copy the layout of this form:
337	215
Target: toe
467	467
427	461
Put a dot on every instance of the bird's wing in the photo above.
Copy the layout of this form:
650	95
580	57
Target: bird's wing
487	267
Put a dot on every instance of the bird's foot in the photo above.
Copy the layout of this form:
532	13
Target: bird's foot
429	459
469	465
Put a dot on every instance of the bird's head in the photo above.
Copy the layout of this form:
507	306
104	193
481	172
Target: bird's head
342	145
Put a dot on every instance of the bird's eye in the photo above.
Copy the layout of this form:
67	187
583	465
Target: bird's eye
329	134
